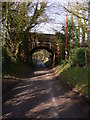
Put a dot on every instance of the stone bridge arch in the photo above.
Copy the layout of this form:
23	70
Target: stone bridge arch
43	47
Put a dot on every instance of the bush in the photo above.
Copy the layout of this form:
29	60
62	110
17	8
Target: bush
5	61
48	63
63	62
71	57
78	56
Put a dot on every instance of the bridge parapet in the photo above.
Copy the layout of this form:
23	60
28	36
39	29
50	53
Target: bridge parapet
37	44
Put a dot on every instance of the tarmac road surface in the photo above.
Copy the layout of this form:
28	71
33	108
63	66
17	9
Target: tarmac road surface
42	95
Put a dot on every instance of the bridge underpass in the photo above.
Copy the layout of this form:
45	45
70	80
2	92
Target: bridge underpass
43	46
37	41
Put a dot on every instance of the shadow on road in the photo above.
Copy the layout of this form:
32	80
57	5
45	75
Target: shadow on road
43	96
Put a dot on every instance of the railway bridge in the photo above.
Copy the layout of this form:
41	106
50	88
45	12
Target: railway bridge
43	41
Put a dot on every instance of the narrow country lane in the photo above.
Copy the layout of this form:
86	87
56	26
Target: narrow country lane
42	95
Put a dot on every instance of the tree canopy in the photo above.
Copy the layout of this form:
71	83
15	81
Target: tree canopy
18	18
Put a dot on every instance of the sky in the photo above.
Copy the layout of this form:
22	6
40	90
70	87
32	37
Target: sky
56	15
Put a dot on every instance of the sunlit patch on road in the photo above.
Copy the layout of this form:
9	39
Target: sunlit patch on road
43	96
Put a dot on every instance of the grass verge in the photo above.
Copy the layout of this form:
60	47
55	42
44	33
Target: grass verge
16	71
77	77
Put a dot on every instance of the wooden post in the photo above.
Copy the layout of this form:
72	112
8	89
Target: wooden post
58	51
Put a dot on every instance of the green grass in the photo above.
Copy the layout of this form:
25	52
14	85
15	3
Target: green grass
16	71
77	77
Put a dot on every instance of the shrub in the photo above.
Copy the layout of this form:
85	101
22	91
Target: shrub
48	64
78	56
63	62
5	61
71	57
